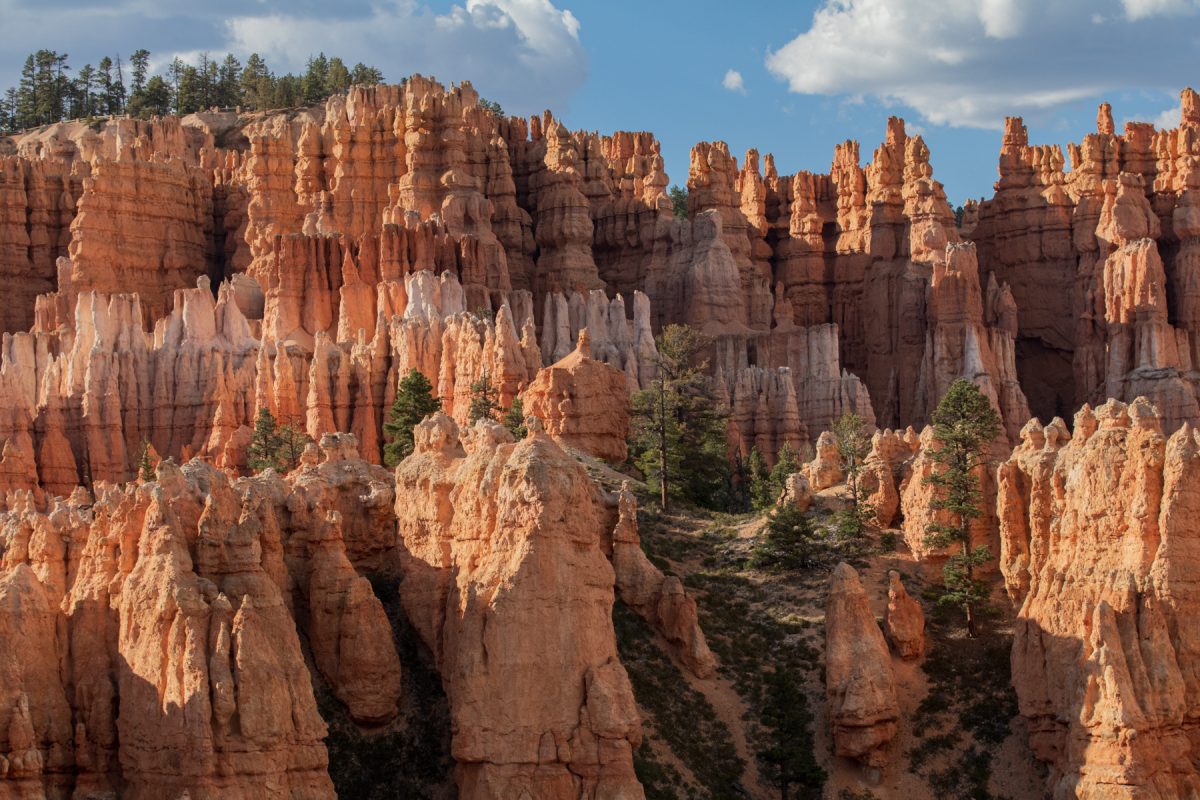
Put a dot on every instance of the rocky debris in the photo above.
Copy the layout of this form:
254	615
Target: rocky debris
1098	552
859	685
582	403
508	537
904	622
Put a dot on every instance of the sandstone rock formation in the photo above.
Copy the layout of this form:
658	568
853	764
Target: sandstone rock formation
797	491
506	581
659	599
904	622
916	496
1113	238
825	470
858	673
582	403
1097	530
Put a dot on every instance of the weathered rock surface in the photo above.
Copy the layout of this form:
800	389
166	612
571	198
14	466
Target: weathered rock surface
904	622
507	582
859	683
659	599
582	403
1099	552
152	639
1113	240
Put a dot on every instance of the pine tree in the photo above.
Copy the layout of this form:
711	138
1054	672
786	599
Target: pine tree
263	452
292	442
229	88
175	76
414	402
27	99
484	404
83	105
853	445
8	111
514	419
679	425
139	63
189	96
789	542
145	463
853	441
104	86
316	77
964	425
788	758
679	201
156	99
118	89
758	478
256	83
364	75
337	78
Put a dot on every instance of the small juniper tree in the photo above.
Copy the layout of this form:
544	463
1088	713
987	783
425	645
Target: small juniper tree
484	403
514	420
263	452
145	462
414	402
964	426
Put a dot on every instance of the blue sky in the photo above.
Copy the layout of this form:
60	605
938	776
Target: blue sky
808	74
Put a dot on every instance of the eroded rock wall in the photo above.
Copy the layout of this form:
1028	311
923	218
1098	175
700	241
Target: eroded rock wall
1097	550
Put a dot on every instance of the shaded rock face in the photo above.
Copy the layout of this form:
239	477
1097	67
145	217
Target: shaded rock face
506	580
858	673
152	639
1113	240
1098	550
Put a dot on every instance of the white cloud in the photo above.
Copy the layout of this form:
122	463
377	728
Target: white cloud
1169	118
1141	9
525	54
973	62
733	81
